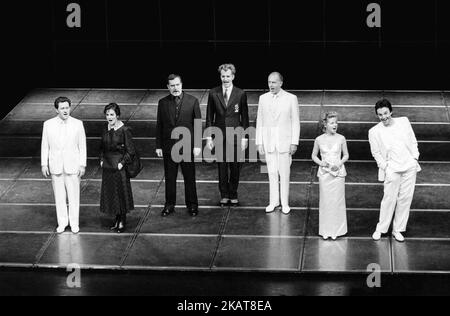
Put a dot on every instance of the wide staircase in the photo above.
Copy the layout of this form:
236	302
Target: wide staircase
225	239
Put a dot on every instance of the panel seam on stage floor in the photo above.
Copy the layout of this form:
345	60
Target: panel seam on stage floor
149	208
220	237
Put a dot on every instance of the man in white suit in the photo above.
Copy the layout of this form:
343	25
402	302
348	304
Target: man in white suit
64	158
277	137
394	147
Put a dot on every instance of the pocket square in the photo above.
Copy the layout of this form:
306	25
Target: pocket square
236	108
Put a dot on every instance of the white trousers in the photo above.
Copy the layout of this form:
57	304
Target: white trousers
279	169
67	187
398	196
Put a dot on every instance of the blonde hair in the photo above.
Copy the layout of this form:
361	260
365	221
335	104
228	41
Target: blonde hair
326	116
226	67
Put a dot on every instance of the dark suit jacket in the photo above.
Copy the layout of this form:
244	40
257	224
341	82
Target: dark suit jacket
166	121
221	116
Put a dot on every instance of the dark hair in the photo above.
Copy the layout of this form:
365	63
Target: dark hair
62	100
112	106
173	77
383	104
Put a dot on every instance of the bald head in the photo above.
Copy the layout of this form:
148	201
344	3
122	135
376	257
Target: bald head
275	82
278	75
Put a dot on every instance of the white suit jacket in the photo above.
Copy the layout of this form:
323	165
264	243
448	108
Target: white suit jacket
378	146
63	153
278	126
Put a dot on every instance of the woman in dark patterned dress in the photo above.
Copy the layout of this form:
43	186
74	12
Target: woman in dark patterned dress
116	151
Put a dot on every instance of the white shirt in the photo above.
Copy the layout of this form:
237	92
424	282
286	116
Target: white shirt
275	102
228	90
399	157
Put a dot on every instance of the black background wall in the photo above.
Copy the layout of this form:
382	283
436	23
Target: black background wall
317	44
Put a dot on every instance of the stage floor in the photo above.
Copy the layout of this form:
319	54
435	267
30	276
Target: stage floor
242	239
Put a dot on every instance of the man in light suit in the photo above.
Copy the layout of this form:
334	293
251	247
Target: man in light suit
394	147
64	158
277	137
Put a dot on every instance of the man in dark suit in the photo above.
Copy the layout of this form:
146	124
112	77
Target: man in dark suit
228	110
177	112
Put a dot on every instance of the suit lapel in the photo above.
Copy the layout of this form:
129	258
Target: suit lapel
171	110
221	98
232	101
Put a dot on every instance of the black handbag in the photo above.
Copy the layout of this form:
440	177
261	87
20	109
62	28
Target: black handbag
135	166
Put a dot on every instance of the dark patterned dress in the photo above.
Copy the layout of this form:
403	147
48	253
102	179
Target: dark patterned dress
116	194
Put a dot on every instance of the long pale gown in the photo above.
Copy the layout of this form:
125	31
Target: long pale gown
332	205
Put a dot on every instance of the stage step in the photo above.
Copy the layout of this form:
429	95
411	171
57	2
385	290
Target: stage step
425	131
11	146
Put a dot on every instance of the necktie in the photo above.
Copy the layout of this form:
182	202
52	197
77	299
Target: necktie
177	110
226	97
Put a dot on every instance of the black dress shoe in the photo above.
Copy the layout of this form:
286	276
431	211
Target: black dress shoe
224	202
116	223
234	202
193	211
116	226
167	211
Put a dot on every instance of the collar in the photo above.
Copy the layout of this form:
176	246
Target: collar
279	94
115	128
60	121
181	96
228	89
394	124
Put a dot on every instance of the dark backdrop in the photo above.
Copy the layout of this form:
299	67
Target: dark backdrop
317	44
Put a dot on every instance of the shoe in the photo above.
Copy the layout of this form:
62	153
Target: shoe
167	211
325	237
398	236
122	228
234	203
271	209
193	211
286	210
75	230
60	230
334	238
224	202
116	226
376	236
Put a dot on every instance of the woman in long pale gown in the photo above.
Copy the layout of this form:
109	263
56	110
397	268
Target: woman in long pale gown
334	153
